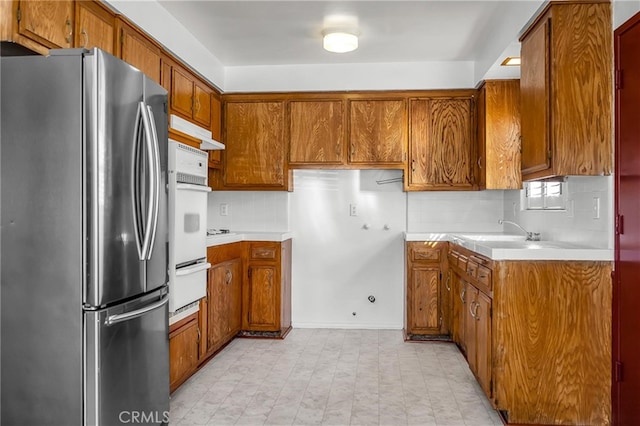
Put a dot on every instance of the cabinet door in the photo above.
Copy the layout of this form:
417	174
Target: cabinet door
499	135
49	23
534	91
202	105
181	92
136	49
424	299
263	298
254	153
377	131
183	351
441	144
234	291
471	308
316	132
483	340
95	26
218	303
459	298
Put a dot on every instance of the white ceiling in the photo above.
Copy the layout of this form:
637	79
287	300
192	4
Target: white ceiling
249	33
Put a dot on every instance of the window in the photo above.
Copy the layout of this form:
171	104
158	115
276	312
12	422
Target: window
545	195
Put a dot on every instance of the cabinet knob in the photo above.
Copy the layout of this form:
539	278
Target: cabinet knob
86	38
68	38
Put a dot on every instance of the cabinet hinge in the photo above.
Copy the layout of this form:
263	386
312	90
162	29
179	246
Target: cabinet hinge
618	79
619	372
619	224
19	14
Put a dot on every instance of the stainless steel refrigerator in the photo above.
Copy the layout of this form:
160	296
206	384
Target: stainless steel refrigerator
83	149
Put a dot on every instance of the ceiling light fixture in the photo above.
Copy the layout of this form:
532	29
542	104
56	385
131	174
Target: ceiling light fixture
511	61
339	41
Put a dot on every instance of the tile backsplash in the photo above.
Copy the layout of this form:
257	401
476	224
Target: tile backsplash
249	210
454	211
578	222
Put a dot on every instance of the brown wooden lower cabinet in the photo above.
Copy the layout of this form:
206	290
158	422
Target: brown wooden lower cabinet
267	290
427	310
184	341
536	334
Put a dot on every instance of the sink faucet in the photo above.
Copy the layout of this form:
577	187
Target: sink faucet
531	236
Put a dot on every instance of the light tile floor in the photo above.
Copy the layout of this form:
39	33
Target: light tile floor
334	377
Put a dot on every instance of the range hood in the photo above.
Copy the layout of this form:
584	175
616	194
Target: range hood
207	142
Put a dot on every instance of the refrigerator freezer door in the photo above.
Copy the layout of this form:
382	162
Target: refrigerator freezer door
113	91
158	256
127	362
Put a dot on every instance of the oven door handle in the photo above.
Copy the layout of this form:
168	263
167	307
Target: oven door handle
192	269
191	187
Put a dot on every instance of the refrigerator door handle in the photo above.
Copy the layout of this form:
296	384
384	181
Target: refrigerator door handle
153	196
156	171
114	319
193	269
136	202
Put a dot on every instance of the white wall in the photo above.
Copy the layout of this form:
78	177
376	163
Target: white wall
383	76
577	223
249	210
337	263
454	211
155	20
623	10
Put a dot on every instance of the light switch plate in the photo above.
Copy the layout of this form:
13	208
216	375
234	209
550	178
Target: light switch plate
353	210
224	209
596	207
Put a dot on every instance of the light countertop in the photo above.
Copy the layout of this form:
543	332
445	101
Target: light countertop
499	246
237	236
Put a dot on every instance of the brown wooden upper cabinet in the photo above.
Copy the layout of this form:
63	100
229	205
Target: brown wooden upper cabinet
47	23
254	135
441	144
377	132
566	91
499	135
190	98
94	26
135	48
316	132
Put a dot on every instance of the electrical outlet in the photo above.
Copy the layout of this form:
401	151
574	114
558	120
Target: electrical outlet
224	209
353	210
596	207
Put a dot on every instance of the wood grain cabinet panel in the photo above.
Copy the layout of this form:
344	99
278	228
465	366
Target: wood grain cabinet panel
498	137
263	297
316	132
458	309
220	312
202	104
427	303
552	340
441	144
566	91
184	338
49	23
378	131
255	145
94	26
181	92
137	49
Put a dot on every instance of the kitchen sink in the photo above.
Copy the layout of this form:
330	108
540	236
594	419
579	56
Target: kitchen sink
492	237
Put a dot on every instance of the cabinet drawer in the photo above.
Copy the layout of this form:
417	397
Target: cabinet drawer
425	253
462	262
263	252
483	275
472	268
